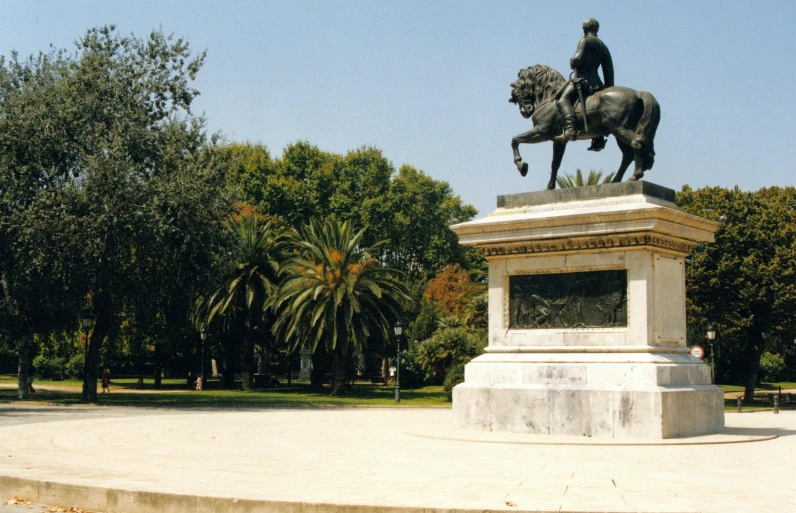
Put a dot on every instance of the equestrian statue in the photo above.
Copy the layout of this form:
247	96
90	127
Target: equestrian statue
585	107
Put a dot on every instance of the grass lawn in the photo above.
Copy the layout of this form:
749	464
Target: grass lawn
175	393
763	386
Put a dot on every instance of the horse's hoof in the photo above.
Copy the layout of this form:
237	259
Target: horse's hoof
524	169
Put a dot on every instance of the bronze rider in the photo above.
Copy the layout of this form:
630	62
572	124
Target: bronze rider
590	55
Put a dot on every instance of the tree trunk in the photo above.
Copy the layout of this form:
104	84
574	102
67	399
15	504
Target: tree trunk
158	377
23	368
338	370
230	354
248	360
320	365
754	368
101	329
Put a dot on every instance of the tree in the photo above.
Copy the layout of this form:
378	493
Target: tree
745	283
462	325
449	349
416	216
451	290
409	209
336	295
568	181
249	284
111	196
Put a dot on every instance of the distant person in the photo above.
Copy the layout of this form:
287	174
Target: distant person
106	380
29	378
392	374
198	382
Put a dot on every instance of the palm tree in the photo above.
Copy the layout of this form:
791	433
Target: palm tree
336	294
568	181
249	284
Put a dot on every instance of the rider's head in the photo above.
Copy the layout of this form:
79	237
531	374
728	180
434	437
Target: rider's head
591	26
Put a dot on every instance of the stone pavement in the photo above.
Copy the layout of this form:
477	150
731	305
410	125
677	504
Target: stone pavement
383	459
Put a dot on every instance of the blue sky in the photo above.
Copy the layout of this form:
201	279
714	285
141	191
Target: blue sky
428	82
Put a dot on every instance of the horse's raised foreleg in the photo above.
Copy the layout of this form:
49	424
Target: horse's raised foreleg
558	154
530	137
627	158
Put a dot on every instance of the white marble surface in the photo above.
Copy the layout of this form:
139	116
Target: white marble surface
369	460
631	380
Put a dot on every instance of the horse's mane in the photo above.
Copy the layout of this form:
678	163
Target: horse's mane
540	81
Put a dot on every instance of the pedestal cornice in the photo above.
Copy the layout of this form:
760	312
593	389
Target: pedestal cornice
595	222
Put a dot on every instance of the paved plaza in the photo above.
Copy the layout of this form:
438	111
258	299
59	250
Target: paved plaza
378	459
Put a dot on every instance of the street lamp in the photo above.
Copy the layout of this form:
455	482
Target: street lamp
203	336
398	329
710	334
87	322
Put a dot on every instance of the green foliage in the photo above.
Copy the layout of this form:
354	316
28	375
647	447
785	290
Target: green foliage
415	216
112	198
337	295
745	283
460	308
250	283
425	323
74	366
50	367
451	345
453	377
107	196
567	181
412	374
772	367
252	274
410	210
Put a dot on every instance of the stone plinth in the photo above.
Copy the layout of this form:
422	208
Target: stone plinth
598	349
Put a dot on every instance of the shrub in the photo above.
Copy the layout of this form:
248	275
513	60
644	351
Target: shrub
49	367
74	367
772	367
451	346
454	376
412	376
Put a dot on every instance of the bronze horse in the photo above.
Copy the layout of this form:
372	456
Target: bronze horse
631	116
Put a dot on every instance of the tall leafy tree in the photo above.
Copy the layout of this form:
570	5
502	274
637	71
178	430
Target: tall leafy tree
407	208
336	295
109	191
745	283
249	284
415	216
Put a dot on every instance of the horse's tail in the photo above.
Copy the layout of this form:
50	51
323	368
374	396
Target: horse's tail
647	126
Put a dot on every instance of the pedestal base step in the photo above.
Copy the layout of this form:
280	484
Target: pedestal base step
656	412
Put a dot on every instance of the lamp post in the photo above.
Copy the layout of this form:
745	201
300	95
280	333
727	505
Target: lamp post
87	322
398	329
710	334
203	336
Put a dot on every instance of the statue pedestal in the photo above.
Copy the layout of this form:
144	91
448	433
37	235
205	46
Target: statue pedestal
587	332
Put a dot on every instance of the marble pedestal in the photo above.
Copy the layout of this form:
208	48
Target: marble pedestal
630	377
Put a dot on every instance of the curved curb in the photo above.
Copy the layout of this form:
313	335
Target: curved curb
596	442
111	500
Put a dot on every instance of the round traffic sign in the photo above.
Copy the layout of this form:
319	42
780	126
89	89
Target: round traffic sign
697	352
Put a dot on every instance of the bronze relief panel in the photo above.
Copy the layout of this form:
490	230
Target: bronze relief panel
589	299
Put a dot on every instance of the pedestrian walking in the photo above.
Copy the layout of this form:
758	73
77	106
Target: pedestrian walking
106	380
